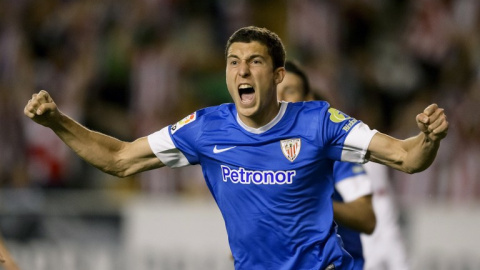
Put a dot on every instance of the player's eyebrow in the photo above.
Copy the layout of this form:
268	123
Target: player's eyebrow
253	56
256	56
233	56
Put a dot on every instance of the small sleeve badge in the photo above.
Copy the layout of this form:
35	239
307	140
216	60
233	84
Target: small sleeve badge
183	122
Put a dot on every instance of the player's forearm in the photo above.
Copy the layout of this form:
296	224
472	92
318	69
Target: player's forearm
420	153
356	216
96	148
422	149
412	155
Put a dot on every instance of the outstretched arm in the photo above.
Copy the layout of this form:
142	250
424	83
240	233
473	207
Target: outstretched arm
414	154
109	154
357	215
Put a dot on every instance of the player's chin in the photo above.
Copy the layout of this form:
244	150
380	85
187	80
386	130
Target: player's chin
247	111
247	105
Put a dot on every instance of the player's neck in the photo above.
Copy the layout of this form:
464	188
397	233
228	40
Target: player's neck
261	119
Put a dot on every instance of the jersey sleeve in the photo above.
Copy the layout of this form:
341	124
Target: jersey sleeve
356	143
175	145
351	181
163	147
345	138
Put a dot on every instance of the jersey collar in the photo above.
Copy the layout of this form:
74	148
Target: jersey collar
260	130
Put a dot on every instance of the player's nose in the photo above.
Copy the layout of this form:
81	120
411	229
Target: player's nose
244	69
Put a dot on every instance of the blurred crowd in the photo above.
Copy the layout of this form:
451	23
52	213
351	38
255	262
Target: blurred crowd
128	68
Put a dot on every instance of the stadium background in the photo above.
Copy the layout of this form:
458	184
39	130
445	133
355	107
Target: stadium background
128	68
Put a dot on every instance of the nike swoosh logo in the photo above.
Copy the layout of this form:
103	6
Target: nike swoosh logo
216	150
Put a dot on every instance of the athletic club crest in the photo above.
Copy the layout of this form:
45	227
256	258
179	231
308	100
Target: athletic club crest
291	148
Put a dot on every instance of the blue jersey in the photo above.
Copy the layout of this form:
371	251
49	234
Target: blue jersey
273	184
351	182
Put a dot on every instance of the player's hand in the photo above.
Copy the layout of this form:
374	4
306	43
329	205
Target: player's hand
42	109
433	122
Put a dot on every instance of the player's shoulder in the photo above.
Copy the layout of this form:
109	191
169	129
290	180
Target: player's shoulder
314	106
319	104
309	111
329	114
213	112
213	115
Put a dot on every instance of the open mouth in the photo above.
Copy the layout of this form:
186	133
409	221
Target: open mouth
246	92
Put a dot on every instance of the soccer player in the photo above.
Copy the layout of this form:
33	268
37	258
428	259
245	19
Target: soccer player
267	164
352	205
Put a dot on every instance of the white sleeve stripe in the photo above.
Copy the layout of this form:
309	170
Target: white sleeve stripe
354	187
164	148
356	143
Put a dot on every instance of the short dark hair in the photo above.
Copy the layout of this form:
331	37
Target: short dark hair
276	50
293	67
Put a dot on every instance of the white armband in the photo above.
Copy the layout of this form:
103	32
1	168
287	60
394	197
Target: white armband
163	147
356	144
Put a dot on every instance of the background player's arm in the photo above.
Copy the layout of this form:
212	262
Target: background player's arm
109	154
357	214
6	259
414	154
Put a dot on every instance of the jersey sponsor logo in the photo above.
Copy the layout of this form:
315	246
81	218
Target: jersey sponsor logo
242	176
217	150
183	122
291	148
337	116
350	124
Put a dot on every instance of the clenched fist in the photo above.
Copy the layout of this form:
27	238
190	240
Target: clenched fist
42	109
433	122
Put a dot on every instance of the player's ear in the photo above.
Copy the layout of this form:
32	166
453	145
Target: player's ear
279	74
